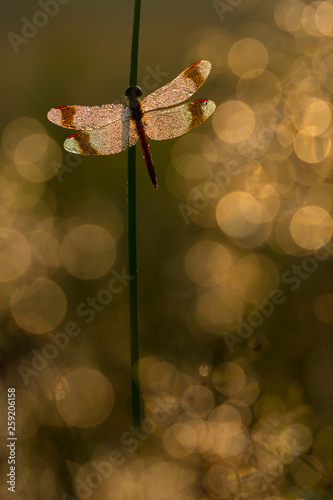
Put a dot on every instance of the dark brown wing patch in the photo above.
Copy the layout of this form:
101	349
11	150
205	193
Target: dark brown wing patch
67	115
83	140
195	74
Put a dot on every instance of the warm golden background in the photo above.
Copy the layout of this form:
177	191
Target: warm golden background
234	256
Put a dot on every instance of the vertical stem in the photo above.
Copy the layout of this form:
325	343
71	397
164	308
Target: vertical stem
135	43
132	259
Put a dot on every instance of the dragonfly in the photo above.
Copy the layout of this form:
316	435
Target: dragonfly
111	128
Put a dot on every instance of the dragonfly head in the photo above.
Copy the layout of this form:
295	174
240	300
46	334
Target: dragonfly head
133	92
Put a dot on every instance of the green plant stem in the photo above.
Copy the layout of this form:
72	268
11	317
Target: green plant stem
132	258
135	43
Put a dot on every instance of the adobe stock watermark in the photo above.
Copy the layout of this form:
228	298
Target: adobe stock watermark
256	144
251	148
30	28
130	440
152	79
88	309
210	191
71	162
293	278
225	7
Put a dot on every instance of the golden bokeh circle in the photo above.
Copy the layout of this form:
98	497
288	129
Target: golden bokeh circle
233	121
39	307
208	263
248	57
323	307
311	227
15	254
37	157
228	378
88	251
317	117
311	148
238	214
87	399
324	18
197	401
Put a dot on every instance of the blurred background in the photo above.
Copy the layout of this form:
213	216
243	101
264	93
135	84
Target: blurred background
234	256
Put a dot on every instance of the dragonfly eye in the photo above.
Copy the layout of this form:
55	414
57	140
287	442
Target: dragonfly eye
133	92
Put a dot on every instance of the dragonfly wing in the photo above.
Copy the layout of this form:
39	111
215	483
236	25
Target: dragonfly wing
112	138
87	117
173	122
179	89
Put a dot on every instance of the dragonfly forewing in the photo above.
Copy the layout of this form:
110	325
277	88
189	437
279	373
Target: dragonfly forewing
179	89
87	117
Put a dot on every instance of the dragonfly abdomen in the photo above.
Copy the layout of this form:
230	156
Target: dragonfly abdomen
146	153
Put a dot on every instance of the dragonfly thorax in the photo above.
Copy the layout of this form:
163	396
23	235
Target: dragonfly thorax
133	93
